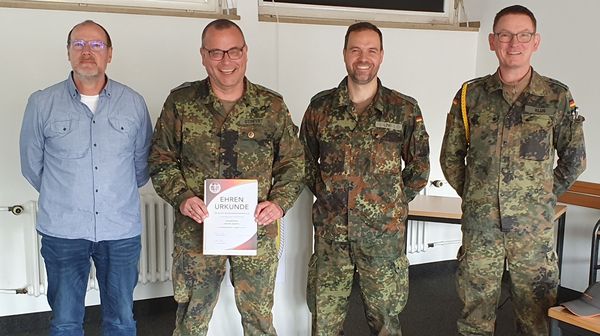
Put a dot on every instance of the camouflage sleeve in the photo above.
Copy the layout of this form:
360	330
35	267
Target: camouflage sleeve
308	137
570	146
288	165
165	157
416	156
454	148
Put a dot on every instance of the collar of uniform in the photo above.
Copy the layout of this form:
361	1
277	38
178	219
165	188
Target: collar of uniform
207	96
537	86
74	93
343	98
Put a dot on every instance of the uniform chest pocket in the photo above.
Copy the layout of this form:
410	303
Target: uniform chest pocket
536	137
387	149
255	145
121	135
65	140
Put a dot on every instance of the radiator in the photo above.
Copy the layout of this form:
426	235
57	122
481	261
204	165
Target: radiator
155	257
415	236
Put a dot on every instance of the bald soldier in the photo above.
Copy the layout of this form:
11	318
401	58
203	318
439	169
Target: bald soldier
225	127
503	134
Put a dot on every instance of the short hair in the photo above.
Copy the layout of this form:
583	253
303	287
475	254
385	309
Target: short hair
360	26
515	9
87	22
221	24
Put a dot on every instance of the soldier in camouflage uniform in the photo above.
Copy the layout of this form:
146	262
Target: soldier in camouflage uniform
499	156
355	138
225	127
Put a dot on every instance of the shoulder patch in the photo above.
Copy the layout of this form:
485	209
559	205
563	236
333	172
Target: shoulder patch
262	88
407	98
556	82
182	86
477	80
322	94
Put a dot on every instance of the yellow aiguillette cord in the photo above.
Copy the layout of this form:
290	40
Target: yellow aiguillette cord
463	108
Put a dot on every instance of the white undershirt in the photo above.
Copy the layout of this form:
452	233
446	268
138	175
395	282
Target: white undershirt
90	101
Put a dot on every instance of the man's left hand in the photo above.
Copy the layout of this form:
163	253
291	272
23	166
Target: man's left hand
267	212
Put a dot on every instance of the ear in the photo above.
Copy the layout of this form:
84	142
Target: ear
492	41
537	39
109	55
202	55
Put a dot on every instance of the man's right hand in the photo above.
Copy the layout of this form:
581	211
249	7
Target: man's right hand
194	208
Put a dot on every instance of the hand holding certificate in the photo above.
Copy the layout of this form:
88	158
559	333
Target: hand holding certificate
230	228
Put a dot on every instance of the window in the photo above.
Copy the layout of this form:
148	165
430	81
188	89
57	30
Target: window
409	5
430	14
190	8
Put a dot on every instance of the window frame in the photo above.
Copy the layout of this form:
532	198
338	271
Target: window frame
182	8
297	13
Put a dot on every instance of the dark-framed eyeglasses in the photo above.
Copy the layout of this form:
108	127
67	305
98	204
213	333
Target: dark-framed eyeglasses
506	37
234	53
94	45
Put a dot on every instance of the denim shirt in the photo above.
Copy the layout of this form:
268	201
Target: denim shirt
86	166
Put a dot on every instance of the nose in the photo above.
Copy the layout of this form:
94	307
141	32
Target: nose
226	59
86	49
362	56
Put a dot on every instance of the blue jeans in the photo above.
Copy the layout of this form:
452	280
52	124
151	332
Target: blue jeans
68	268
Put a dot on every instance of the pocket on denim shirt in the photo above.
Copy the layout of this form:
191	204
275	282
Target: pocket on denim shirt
64	141
122	135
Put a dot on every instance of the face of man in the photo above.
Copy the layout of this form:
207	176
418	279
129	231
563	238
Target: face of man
227	74
363	56
88	63
514	54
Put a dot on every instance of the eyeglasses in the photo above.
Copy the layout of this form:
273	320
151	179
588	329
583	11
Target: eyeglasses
506	37
234	53
94	45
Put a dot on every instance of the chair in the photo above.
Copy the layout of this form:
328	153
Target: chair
594	266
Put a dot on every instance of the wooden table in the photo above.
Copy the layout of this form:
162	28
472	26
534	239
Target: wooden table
565	323
440	209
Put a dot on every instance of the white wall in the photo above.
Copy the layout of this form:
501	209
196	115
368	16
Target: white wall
153	54
567	53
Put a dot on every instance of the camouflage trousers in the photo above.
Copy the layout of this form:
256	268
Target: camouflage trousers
532	265
197	279
383	283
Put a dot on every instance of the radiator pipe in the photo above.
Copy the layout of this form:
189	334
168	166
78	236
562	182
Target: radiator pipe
15	209
14	291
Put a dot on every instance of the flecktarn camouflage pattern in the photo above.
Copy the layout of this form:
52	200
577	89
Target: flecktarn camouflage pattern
257	140
363	170
509	186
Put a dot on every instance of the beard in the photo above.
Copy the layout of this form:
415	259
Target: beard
361	77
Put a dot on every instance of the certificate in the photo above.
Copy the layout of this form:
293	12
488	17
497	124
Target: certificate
230	228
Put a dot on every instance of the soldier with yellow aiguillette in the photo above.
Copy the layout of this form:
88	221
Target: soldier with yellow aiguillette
225	127
502	134
356	138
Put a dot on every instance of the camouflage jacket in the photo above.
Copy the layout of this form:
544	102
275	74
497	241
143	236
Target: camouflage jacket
354	164
505	175
258	140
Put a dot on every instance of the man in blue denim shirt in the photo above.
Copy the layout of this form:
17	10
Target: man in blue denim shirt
84	147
